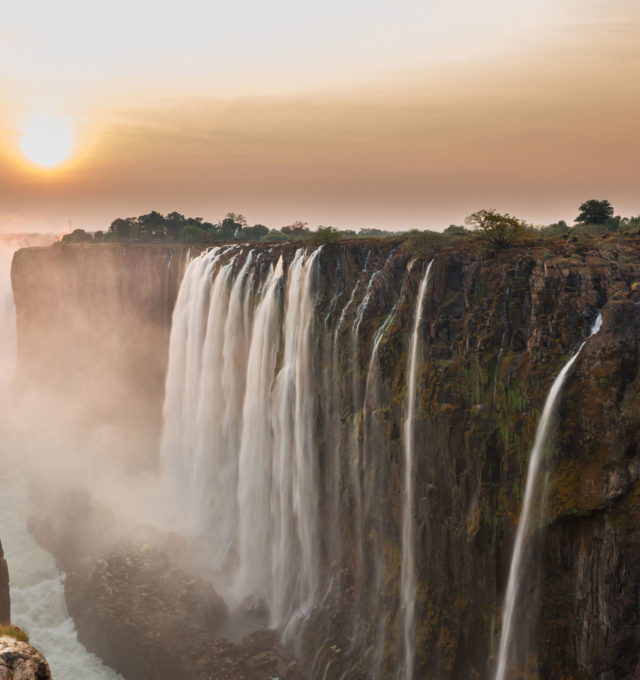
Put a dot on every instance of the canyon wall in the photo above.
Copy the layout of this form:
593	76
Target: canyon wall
93	328
495	329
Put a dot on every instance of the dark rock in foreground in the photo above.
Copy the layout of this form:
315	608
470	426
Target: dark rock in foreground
21	661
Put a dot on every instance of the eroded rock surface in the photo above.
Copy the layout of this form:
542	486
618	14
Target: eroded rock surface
21	661
151	621
497	328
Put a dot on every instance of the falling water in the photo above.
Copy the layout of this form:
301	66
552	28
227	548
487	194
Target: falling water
527	515
407	574
238	440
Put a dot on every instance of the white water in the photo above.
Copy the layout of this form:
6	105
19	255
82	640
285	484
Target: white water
238	441
528	516
37	591
407	572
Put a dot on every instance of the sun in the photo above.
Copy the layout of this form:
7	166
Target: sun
47	139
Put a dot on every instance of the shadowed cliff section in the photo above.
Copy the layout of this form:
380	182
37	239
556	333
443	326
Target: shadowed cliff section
497	328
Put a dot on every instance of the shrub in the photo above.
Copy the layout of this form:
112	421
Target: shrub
325	235
455	229
425	242
76	236
275	236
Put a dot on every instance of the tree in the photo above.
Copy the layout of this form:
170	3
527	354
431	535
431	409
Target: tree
228	228
76	236
594	212
237	218
255	233
122	227
295	228
152	223
191	233
497	228
325	236
174	222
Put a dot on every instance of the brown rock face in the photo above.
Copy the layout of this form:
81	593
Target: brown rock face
150	621
590	600
5	596
497	328
20	661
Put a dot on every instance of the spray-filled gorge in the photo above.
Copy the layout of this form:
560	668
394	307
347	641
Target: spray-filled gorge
341	455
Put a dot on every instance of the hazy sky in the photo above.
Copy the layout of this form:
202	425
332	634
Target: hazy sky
405	114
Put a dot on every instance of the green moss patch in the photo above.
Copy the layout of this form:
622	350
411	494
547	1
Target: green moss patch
8	630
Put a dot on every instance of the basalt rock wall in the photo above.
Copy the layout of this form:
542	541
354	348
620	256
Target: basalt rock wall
496	329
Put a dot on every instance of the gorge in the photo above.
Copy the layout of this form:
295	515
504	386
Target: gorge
333	442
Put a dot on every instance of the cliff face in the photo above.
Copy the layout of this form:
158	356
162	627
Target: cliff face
497	328
93	326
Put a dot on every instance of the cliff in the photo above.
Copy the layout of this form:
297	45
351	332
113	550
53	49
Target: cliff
497	328
93	327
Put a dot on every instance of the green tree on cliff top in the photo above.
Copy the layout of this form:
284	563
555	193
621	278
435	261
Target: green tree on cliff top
594	212
498	229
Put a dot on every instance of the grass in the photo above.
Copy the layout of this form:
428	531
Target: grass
7	630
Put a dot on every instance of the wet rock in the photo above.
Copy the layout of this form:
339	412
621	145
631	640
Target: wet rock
151	621
5	596
497	328
21	661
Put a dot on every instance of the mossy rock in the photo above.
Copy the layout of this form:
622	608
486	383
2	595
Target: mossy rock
7	630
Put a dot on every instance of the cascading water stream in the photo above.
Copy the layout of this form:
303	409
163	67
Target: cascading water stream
238	440
528	515
407	570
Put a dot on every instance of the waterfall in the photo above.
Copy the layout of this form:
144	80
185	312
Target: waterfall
238	444
527	514
407	573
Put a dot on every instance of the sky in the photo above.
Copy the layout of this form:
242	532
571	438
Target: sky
410	114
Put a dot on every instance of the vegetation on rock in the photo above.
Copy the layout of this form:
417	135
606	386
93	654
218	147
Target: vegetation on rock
7	630
499	229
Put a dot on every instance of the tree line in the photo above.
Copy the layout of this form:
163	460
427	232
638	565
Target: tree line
497	229
177	228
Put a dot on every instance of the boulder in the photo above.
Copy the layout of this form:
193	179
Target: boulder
21	661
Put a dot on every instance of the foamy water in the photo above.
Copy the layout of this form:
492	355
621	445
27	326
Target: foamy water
37	591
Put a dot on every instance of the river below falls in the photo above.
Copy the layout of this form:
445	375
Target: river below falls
37	588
